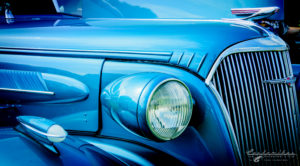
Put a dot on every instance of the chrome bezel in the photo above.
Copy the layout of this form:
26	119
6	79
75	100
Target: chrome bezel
253	45
148	102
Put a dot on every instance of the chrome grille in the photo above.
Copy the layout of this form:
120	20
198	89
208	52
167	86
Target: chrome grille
263	115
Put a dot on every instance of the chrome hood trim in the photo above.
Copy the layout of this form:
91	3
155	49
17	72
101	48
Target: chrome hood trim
270	43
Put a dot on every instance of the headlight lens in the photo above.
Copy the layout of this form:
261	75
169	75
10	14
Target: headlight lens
169	109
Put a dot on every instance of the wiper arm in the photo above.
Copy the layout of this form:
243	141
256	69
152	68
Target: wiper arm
8	15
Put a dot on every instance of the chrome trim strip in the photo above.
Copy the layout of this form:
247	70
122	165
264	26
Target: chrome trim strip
248	46
42	133
56	6
232	135
279	87
218	84
252	89
27	91
236	104
287	80
286	101
229	87
224	84
293	96
259	59
242	99
258	100
295	115
20	49
248	90
274	104
265	96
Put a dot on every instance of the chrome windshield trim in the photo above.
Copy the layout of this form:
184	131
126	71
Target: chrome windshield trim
270	43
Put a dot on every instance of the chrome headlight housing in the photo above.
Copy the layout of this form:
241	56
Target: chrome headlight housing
153	105
169	109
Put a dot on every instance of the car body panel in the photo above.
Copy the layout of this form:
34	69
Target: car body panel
30	152
128	38
71	112
216	9
207	118
77	58
82	49
131	152
72	151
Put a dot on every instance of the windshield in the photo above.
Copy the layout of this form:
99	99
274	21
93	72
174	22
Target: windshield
41	7
203	9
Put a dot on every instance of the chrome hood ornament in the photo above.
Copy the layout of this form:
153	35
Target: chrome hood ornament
255	13
288	80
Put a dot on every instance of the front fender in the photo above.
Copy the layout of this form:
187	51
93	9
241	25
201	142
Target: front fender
205	141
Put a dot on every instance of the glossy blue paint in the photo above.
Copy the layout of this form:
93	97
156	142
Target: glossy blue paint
122	97
214	9
128	39
207	134
18	149
66	89
296	72
28	86
74	55
133	153
296	69
75	82
21	149
190	60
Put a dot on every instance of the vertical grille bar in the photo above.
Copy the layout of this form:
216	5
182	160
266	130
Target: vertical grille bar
266	96
225	97
278	100
263	114
257	99
290	95
284	116
242	130
248	105
219	88
253	102
230	82
273	110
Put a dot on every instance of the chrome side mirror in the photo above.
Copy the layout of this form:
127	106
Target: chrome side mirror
43	129
255	13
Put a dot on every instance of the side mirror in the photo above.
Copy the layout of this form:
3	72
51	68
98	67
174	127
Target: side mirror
42	129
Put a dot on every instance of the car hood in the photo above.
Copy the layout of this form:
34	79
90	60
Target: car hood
164	40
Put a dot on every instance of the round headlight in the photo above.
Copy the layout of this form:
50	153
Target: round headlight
169	109
153	105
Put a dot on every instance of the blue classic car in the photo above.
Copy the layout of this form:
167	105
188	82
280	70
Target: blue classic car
145	83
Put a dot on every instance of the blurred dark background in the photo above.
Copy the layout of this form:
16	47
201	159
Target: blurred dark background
292	12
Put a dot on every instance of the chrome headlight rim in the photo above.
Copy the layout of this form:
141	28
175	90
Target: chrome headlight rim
150	98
